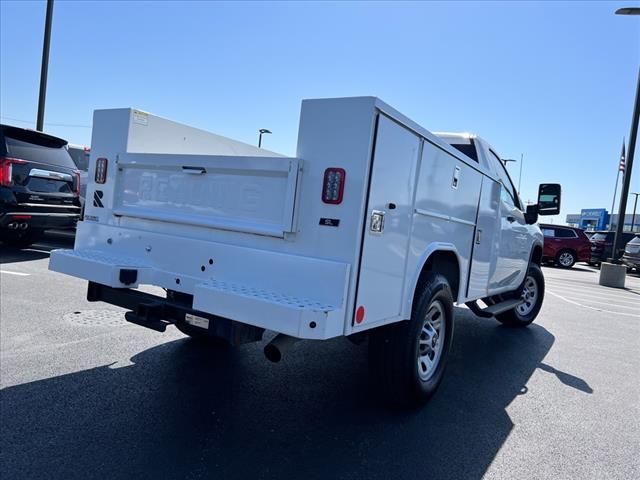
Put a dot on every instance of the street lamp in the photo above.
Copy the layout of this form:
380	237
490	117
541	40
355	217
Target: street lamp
630	153
44	69
262	131
635	204
506	160
628	11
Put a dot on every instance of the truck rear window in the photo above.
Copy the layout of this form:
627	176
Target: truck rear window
33	152
467	148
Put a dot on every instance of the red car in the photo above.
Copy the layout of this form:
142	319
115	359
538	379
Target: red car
565	246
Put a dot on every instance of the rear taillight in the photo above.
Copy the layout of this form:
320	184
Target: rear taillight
6	169
333	185
77	185
101	170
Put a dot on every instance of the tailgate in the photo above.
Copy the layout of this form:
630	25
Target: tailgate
239	193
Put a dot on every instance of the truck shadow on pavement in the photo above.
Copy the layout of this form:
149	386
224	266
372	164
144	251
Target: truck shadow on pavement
185	411
15	255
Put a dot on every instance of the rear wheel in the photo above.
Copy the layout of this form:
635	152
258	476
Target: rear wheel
566	258
408	358
20	238
532	296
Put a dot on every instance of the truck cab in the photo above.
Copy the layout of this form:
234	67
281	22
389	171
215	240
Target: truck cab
518	240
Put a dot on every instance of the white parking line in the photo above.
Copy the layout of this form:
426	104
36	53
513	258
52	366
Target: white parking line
614	292
635	307
20	274
612	298
592	308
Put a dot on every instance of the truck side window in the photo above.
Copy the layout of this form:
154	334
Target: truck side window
504	178
547	232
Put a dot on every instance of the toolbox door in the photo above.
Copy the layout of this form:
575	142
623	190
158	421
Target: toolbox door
387	223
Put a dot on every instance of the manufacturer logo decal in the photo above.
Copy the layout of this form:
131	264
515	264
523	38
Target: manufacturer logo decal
97	199
330	222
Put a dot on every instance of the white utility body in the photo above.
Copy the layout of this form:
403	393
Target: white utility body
328	243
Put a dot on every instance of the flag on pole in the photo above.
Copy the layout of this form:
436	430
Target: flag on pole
622	158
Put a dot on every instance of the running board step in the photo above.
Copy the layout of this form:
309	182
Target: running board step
493	309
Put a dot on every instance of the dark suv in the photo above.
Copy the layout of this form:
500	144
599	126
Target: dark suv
565	246
39	186
602	246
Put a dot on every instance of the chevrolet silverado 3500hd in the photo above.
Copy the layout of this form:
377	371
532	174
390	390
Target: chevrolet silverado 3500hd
375	228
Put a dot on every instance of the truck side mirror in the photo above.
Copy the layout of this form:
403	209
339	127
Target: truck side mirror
531	215
549	199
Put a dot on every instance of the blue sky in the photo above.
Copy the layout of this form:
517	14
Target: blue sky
554	81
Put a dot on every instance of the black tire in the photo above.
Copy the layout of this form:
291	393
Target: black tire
526	313
394	349
202	336
21	238
566	258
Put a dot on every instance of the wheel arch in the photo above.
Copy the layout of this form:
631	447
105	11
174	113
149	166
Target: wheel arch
443	259
536	254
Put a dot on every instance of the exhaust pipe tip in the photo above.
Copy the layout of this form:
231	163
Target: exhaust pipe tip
12	226
276	348
272	353
24	226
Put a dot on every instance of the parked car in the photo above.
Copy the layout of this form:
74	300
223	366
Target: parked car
39	185
602	245
383	230
631	257
80	156
564	246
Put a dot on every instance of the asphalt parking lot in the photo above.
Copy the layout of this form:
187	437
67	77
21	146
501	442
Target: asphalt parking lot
87	395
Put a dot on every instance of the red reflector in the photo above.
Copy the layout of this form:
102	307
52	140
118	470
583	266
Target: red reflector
333	185
101	170
360	314
21	217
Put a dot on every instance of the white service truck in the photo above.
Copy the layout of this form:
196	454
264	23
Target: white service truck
375	229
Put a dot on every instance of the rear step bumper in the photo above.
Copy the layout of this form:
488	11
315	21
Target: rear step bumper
157	313
255	302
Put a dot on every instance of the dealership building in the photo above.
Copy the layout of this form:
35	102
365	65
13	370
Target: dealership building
591	219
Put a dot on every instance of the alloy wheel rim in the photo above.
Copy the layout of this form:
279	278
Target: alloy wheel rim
529	296
566	259
431	341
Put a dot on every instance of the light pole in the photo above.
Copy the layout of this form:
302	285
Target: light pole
44	70
520	174
635	204
630	153
262	131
